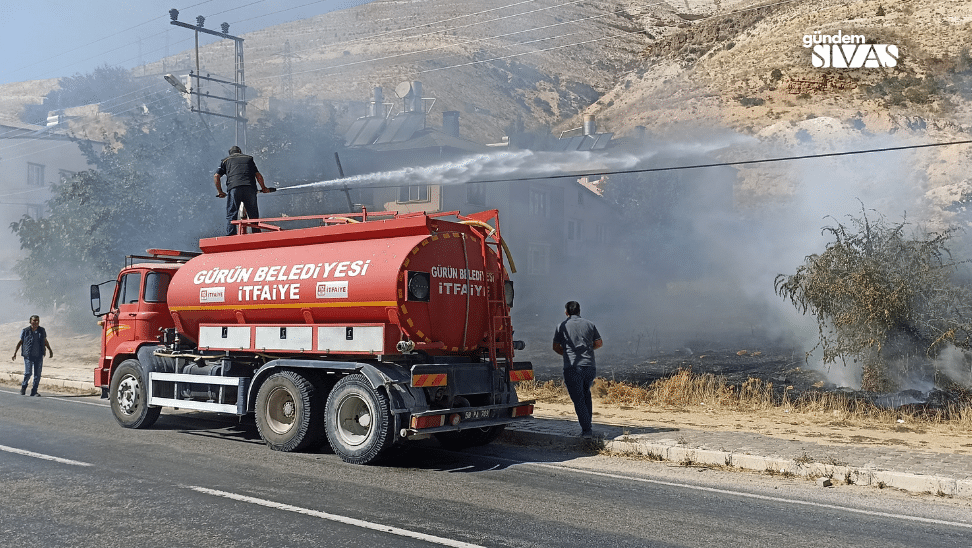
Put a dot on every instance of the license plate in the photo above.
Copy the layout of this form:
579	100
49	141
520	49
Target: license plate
479	414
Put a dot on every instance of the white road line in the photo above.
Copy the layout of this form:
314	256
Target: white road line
41	456
340	519
754	496
73	399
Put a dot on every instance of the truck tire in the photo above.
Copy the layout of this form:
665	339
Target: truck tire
128	394
289	412
359	422
473	437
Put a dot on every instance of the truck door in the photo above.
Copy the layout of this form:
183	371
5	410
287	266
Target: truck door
153	312
120	321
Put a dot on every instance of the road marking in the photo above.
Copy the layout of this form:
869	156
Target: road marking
340	519
73	399
753	495
41	456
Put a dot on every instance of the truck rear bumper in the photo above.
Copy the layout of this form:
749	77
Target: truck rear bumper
464	418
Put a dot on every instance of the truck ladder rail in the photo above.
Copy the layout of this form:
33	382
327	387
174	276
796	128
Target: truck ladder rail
241	384
499	319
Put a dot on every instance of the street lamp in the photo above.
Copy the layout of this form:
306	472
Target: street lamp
176	83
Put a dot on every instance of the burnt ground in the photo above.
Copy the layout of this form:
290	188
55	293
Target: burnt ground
783	368
786	369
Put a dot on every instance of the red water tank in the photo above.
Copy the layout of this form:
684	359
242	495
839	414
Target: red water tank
416	278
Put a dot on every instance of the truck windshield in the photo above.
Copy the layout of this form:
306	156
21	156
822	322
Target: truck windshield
156	286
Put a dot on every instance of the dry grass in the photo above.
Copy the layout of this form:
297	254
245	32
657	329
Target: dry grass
685	389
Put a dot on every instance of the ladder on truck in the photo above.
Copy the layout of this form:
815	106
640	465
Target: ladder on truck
499	317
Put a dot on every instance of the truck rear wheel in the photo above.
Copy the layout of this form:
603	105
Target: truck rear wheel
128	394
289	414
359	422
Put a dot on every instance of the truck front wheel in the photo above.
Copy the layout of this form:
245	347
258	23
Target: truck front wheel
359	422
288	412
129	397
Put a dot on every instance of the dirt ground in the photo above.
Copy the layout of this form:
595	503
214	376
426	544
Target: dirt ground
69	349
817	428
786	369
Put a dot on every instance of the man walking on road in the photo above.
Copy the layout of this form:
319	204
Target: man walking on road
33	339
576	339
242	177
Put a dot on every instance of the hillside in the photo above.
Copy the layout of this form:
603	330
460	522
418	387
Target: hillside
482	65
679	69
662	65
749	72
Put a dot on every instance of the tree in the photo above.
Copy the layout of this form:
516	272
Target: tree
111	87
297	147
151	187
884	297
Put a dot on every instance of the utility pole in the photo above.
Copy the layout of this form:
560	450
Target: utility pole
239	84
287	82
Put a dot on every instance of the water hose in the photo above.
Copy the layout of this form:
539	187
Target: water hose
481	224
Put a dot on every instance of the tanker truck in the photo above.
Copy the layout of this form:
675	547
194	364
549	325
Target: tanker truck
362	332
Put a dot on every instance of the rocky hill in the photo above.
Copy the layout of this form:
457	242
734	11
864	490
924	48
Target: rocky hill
679	68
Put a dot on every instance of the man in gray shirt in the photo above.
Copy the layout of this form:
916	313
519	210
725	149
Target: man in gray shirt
576	339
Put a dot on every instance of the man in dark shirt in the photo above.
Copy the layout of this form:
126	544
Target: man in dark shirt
242	177
576	339
33	340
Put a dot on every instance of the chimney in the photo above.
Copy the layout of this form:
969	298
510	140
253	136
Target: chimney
416	99
450	122
640	133
375	109
590	125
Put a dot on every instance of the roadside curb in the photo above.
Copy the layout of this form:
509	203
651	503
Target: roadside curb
627	444
51	382
915	483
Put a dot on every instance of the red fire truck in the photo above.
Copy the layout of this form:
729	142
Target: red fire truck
362	331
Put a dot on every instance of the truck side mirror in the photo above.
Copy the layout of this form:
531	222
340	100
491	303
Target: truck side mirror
95	300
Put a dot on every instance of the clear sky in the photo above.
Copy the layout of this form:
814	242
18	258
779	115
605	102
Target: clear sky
42	39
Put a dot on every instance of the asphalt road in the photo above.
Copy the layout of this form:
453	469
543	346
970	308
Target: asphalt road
72	477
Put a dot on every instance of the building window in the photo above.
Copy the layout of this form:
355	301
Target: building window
35	211
65	175
574	230
580	197
538	259
539	203
35	175
601	236
476	193
413	193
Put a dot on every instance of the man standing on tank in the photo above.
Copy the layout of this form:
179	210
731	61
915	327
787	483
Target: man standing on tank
576	339
242	177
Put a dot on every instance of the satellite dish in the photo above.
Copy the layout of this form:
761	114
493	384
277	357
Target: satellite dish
403	90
